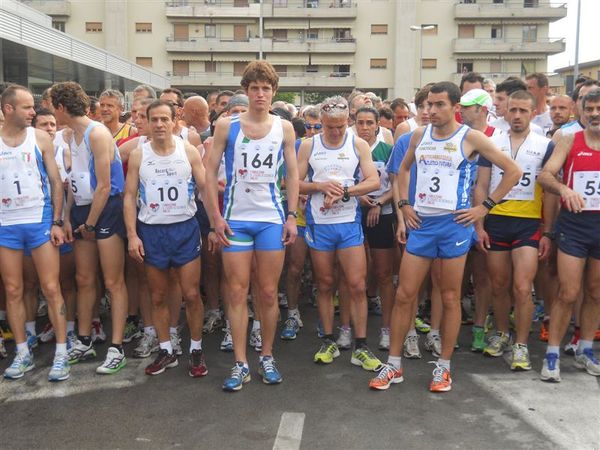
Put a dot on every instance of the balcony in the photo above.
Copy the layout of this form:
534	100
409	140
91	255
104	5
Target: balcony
296	80
51	7
554	79
545	11
335	45
202	44
212	8
548	46
310	9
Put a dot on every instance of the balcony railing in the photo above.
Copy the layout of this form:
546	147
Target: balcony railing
505	45
202	44
544	10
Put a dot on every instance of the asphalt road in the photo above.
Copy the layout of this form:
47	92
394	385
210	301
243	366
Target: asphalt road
316	407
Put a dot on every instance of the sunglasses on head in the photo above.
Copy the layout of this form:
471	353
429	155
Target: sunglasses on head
329	106
316	126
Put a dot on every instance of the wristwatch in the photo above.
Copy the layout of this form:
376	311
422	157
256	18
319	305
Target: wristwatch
58	223
294	214
402	203
89	227
549	234
346	196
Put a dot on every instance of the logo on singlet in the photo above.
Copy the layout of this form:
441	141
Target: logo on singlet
450	147
26	157
6	202
154	207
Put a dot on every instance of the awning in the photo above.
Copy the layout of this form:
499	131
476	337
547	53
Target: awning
189	57
331	60
328	23
234	57
283	24
292	60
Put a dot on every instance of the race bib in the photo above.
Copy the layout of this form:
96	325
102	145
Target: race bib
256	163
20	191
168	196
525	187
436	188
82	188
587	184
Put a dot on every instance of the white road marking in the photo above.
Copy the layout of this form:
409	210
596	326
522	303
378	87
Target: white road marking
289	434
566	412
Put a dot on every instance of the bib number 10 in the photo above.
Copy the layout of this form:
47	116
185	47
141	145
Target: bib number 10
256	162
172	193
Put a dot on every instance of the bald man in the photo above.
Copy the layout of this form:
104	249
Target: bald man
561	108
195	114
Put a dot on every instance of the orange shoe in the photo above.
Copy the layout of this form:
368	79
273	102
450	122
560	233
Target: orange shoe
441	381
597	336
386	376
544	332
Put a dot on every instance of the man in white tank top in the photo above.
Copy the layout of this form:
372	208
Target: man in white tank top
166	234
332	161
253	225
445	153
30	218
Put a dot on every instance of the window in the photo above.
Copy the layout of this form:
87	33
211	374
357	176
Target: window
495	66
466	31
529	33
240	3
312	34
527	66
531	3
238	68
342	34
312	69
210	66
342	70
93	27
280	35
378	63
181	32
181	68
498	2
240	33
143	61
58	25
281	70
379	29
429	63
210	30
143	27
496	32
464	67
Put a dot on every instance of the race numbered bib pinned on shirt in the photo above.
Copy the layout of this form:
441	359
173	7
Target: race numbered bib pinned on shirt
257	163
525	187
587	184
82	188
167	196
436	187
19	190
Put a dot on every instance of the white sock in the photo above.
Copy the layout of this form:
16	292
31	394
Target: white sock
150	331
433	333
293	312
255	325
167	346
23	348
195	345
30	327
61	349
3	315
172	330
70	326
553	349
395	361
445	363
413	333
583	345
96	319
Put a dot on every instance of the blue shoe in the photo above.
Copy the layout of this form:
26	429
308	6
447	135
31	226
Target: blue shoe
538	313
268	371
60	368
551	368
320	332
240	375
32	340
22	364
290	329
71	339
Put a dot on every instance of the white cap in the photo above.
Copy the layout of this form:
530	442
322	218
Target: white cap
477	97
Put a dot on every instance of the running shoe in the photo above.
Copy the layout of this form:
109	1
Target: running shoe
571	347
131	332
6	332
71	339
47	334
3	352
538	312
268	371
489	323
551	368
213	322
240	375
22	364
424	310
164	360
290	329
176	343
327	352
498	344
283	301
520	358
81	352
61	369
374	305
42	310
364	358
344	340
433	344
441	381
384	339
227	342
421	326
320	331
197	364
256	340
32	340
147	345
478	343
98	334
114	361
411	347
588	362
387	375
544	334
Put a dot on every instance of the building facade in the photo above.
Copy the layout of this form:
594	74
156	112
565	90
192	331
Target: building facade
388	46
589	69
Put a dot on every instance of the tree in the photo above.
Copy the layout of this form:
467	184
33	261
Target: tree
288	97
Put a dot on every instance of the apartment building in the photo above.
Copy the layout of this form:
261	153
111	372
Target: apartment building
388	46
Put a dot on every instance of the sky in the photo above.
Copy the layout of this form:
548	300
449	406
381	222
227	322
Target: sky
588	44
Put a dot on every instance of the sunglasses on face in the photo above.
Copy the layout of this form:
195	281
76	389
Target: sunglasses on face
329	107
316	126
